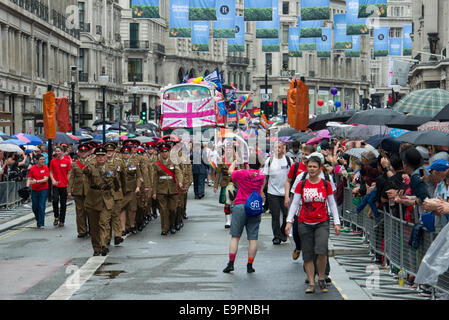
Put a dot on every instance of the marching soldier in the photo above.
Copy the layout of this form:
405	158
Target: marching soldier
153	159
77	189
131	187
186	169
144	192
112	220
102	179
167	178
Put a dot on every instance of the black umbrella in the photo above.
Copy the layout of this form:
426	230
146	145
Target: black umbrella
386	142
408	121
302	137
61	137
319	123
443	115
287	132
373	116
100	122
436	138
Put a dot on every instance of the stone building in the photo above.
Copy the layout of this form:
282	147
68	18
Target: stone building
100	54
430	45
38	45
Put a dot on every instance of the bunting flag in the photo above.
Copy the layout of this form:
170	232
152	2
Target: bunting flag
196	114
341	40
145	9
179	26
381	35
324	44
271	45
372	8
354	24
238	43
407	40
315	10
202	10
258	10
200	36
395	47
293	42
354	52
269	29
224	27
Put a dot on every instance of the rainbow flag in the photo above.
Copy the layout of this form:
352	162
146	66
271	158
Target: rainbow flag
212	164
257	112
232	115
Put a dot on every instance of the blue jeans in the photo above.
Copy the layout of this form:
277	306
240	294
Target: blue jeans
369	199
39	198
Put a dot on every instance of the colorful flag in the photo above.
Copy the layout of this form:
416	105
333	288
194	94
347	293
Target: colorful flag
256	112
180	114
264	121
49	106
145	9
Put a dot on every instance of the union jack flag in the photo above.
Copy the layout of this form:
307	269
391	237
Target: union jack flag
181	114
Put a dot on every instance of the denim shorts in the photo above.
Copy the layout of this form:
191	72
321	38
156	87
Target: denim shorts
241	220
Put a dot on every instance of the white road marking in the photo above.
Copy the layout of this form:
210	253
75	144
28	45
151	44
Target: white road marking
75	281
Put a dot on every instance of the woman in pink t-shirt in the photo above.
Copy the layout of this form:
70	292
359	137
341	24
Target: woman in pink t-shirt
248	180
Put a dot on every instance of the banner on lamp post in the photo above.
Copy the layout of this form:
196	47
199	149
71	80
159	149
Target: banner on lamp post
258	10
315	10
238	43
202	10
269	29
200	36
341	40
145	9
381	36
293	43
224	27
179	25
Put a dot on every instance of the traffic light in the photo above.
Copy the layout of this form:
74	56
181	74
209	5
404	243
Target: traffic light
284	107
143	114
150	114
270	109
276	109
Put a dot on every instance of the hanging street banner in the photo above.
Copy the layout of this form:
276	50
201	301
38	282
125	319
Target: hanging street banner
271	45
324	44
381	35
293	43
354	52
258	10
372	8
407	45
315	10
200	36
354	24
179	26
269	29
395	48
224	27
307	44
311	29
341	40
145	9
238	43
202	10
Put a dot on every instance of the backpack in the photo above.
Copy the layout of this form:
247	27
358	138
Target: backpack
289	163
326	181
254	204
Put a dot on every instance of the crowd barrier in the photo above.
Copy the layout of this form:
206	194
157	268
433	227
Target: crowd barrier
388	237
9	196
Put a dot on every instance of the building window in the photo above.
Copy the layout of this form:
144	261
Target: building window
285	61
81	12
44	58
285	7
285	29
134	35
38	58
268	62
135	70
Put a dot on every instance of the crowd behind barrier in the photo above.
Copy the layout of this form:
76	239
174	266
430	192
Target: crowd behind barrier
9	194
389	236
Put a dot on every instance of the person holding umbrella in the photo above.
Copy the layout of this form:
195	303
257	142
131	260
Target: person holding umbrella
38	177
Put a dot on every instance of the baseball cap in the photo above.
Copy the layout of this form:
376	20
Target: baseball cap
439	165
317	154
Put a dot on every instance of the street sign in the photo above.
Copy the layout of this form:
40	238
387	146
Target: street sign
87	116
265	97
134	118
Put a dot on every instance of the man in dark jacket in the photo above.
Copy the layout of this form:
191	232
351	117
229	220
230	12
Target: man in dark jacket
199	171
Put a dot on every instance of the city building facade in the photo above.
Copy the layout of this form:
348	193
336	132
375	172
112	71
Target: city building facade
38	45
430	36
100	54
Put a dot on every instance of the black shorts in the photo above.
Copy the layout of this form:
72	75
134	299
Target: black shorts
314	239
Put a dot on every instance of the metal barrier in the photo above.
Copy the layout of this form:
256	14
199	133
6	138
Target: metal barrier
9	196
388	236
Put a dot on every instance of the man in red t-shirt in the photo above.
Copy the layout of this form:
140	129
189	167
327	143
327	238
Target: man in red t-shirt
59	173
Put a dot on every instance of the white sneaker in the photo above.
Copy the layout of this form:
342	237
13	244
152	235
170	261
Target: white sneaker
228	221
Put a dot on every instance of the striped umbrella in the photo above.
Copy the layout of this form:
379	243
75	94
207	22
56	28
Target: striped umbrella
427	102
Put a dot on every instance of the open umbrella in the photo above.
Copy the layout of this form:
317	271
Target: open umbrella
17	142
443	115
386	142
427	102
434	125
367	131
357	152
287	132
321	120
62	137
99	122
28	139
144	139
302	137
9	147
373	116
408	121
436	138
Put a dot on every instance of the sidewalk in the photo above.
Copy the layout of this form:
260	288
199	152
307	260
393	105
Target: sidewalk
20	215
